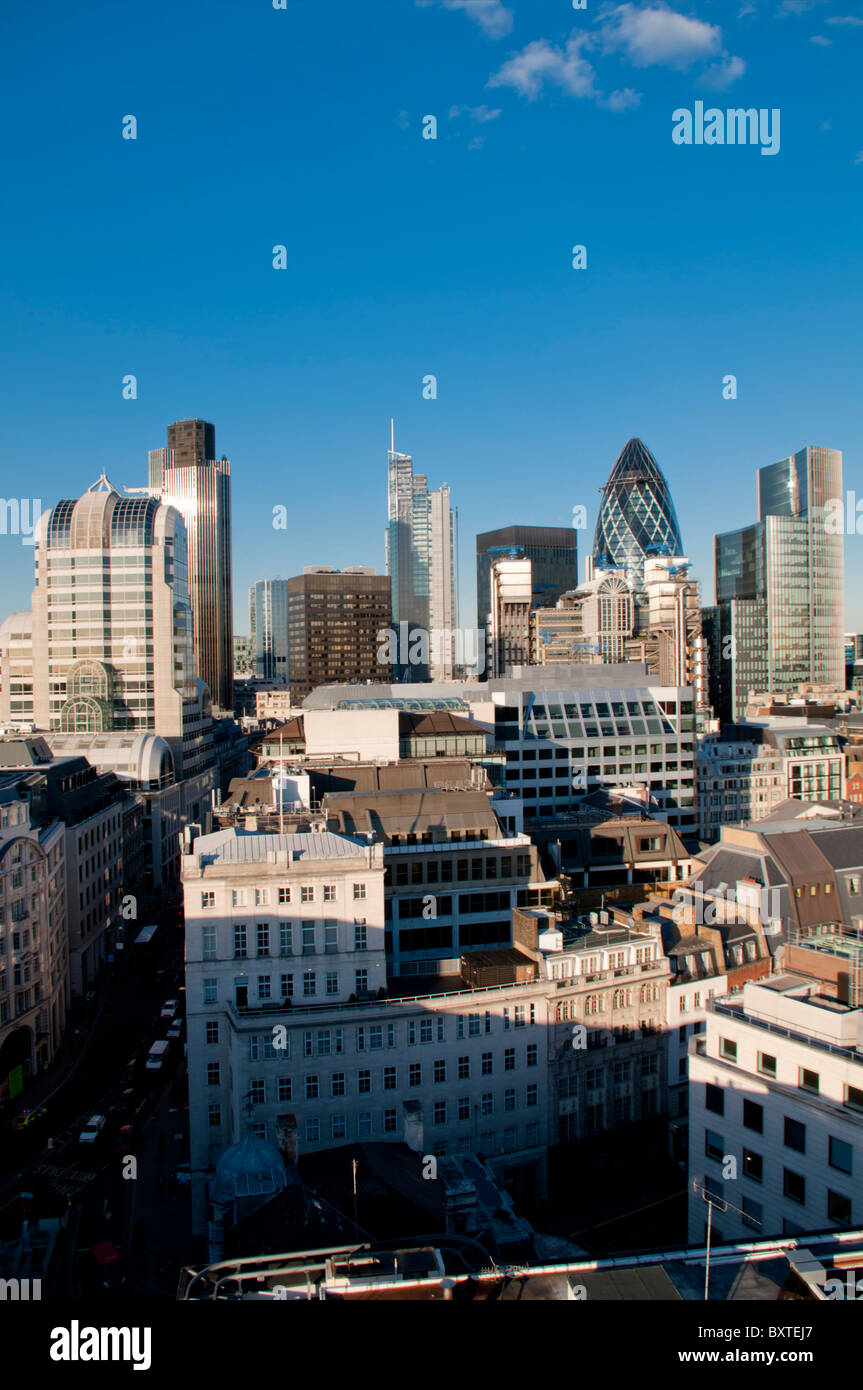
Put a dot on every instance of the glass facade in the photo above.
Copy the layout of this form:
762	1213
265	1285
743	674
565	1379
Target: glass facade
553	554
780	585
636	515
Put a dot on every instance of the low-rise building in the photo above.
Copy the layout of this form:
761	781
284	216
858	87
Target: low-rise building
776	1112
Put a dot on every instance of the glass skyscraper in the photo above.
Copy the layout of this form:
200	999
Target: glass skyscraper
780	587
636	515
268	626
421	560
552	551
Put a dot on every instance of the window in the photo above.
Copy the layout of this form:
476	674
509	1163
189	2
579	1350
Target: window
376	1037
329	892
840	1155
360	936
264	987
794	1186
359	892
464	1068
213	1073
238	897
308	938
838	1208
440	1071
519	1015
767	1064
532	1093
338	1127
714	1099
309	984
509	1059
854	1098
284	938
208	900
311	1088
287	986
389	1121
331	938
307	893
211	991
364	1082
364	1124
214	1115
263	939
487	1064
332	982
415	1074
728	1049
211	1036
285	1088
361	979
313	1131
464	1107
284	895
239	941
532	1054
753	1166
473	1025
509	1098
753	1116
440	1112
486	1104
257	1092
713	1145
425	1030
795	1135
390	1078
753	1212
809	1080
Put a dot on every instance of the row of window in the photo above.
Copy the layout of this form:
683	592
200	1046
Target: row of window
309	943
326	1042
315	1087
263	897
430	869
807	1080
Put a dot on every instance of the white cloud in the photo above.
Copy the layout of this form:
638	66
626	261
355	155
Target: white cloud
658	35
846	19
821	41
477	143
859	159
492	16
480	114
541	62
722	74
403	120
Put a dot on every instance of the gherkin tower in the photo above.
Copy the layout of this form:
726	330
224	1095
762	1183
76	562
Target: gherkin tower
636	515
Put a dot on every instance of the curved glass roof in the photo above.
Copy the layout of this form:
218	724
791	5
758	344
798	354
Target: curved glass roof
636	515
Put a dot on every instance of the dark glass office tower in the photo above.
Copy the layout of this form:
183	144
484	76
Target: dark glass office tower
552	551
636	515
780	585
189	476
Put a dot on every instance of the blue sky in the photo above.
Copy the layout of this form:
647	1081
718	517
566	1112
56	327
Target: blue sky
409	257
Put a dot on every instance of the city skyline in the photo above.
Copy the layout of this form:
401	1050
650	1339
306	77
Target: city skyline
560	366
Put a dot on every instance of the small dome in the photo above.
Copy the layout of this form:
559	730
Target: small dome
251	1168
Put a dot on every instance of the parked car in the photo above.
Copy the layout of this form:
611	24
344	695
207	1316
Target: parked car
92	1129
25	1118
127	1139
157	1054
170	1007
176	1029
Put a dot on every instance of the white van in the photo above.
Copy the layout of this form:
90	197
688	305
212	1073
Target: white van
157	1054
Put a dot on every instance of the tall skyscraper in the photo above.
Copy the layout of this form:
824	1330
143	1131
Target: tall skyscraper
636	515
189	476
268	618
421	560
553	555
111	620
780	587
335	619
